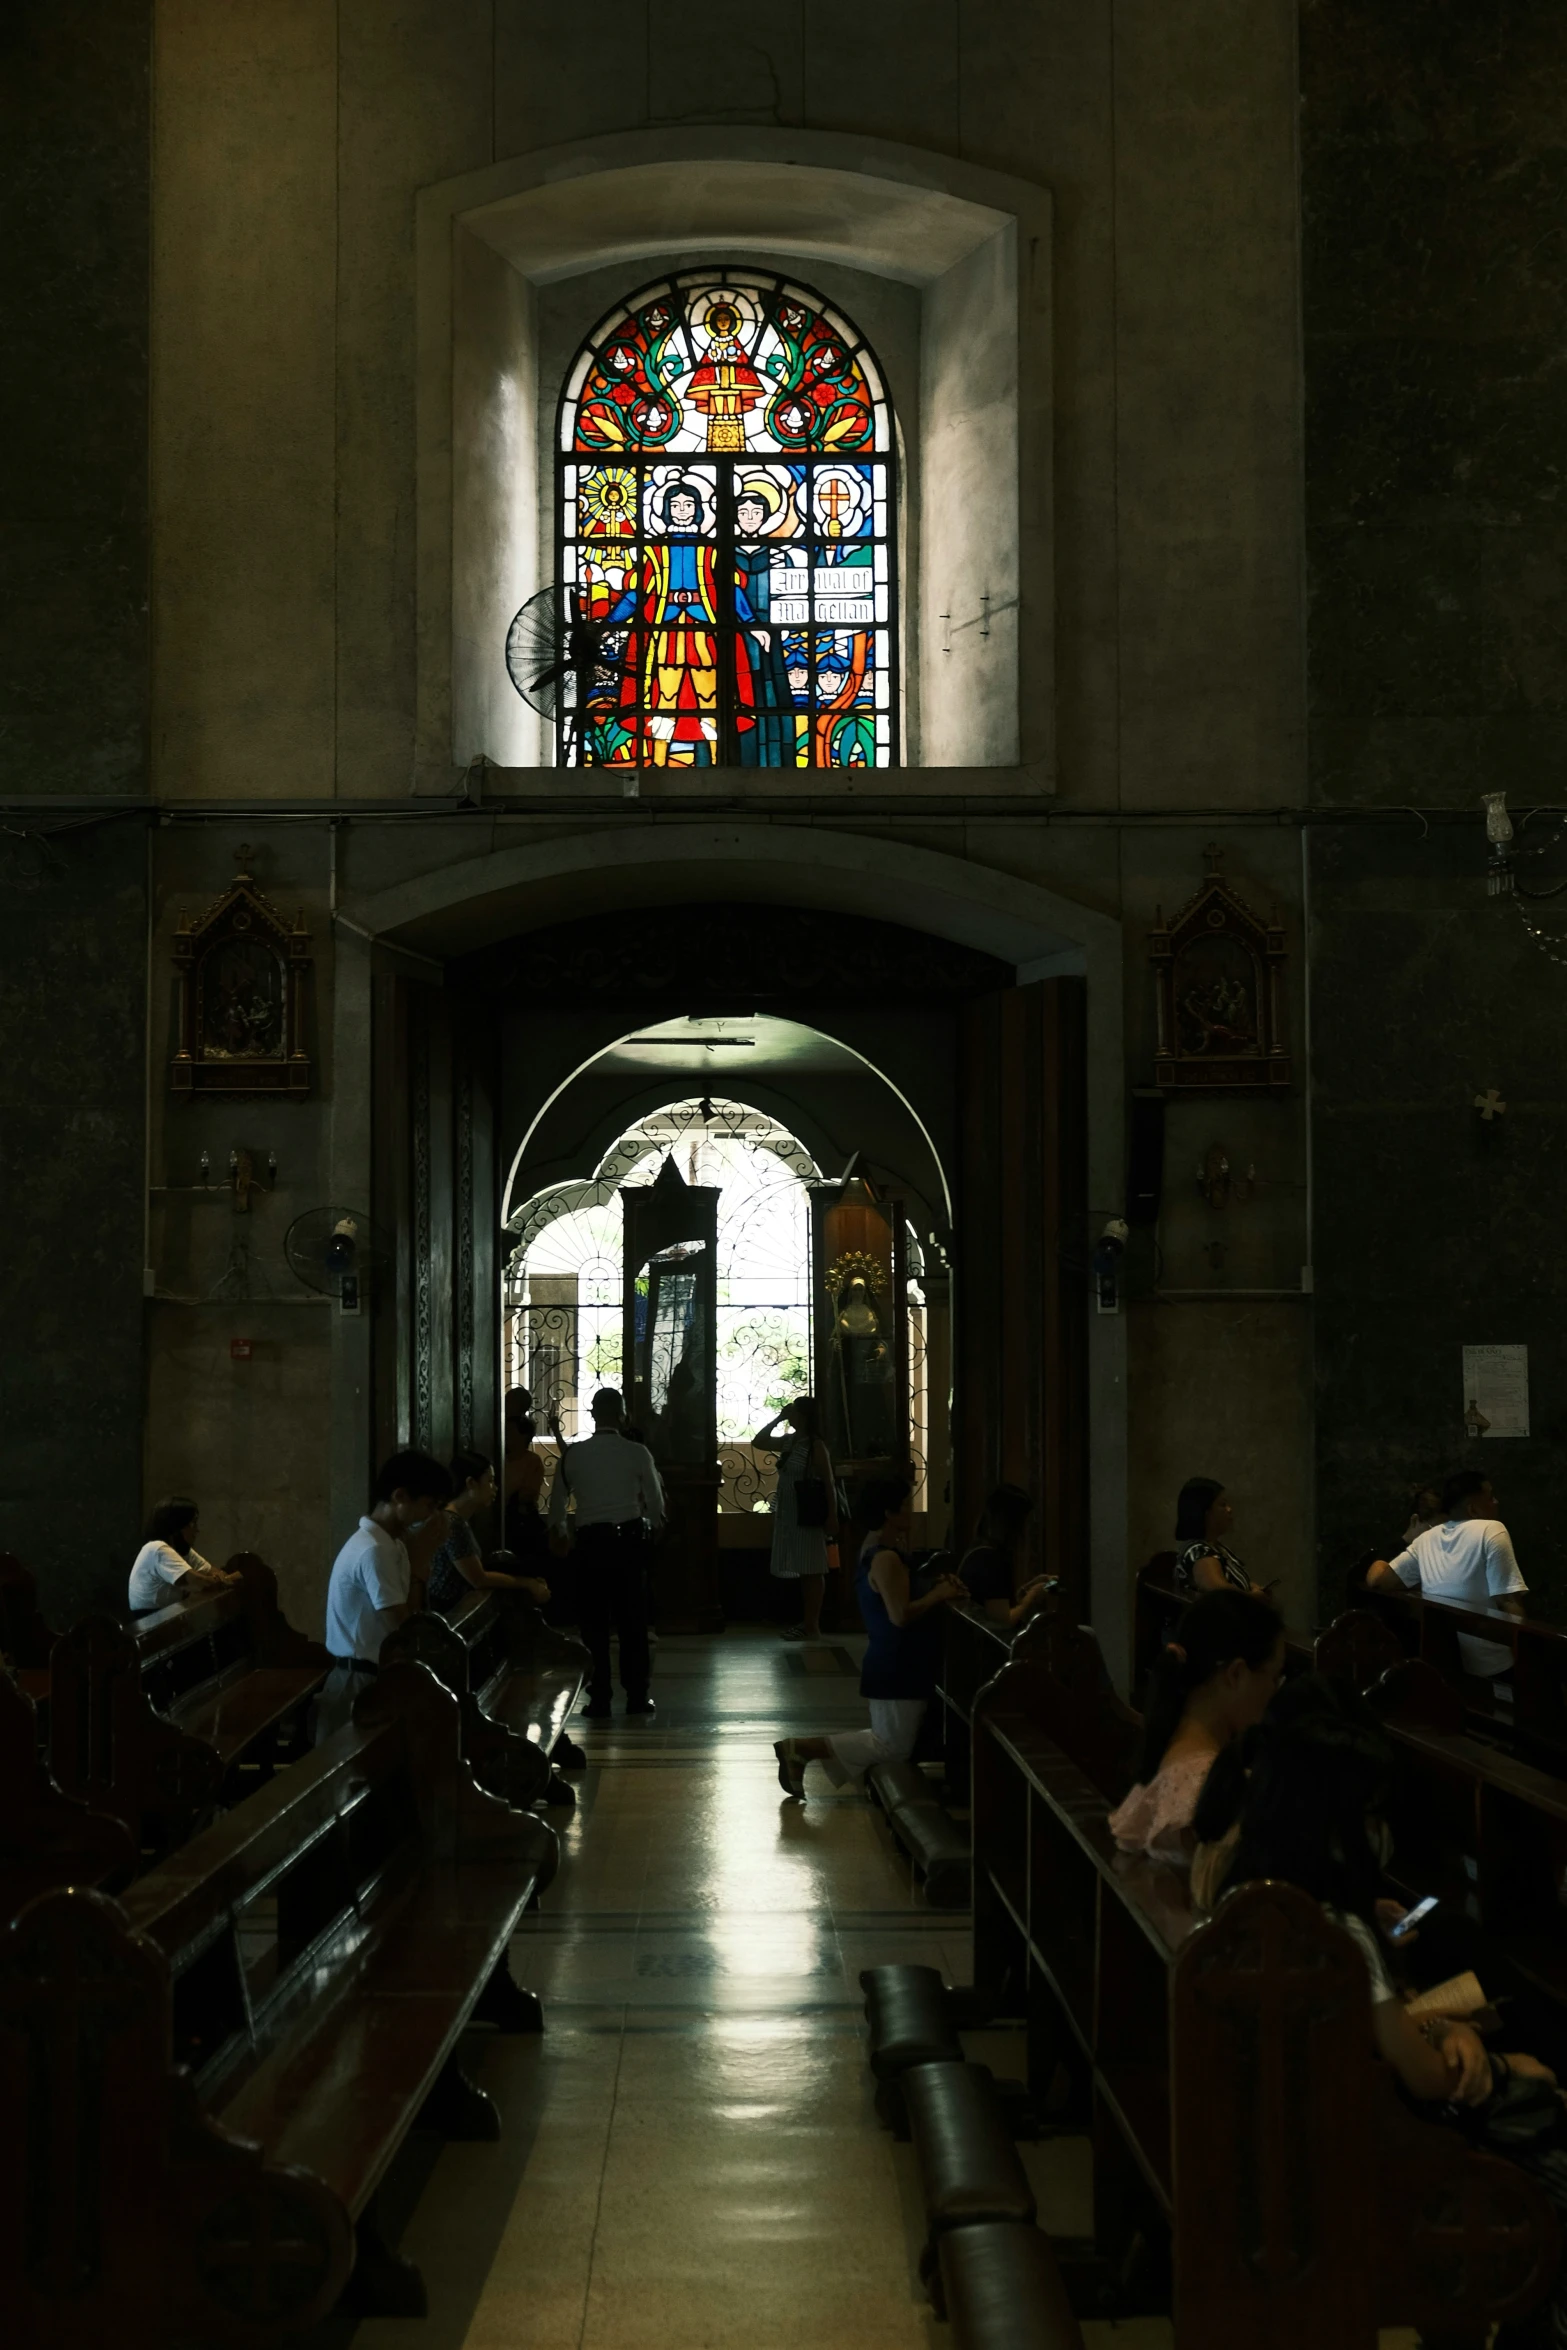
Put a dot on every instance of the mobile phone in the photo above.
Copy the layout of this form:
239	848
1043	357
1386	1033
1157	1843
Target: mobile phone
1407	1924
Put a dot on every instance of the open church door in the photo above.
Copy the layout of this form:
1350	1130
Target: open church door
436	1305
671	1381
1021	1286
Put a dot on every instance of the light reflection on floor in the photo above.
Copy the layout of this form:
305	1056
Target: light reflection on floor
689	2156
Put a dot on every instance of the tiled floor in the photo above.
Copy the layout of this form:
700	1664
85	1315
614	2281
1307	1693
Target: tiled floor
690	2157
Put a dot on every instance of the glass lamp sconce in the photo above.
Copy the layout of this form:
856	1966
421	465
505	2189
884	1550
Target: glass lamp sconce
1499	832
1217	1181
241	1179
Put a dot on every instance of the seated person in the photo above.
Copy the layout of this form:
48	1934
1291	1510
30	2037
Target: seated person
522	1522
378	1576
1469	1559
458	1566
168	1566
1204	1514
902	1654
1425	1511
1312	1817
989	1570
1211	1683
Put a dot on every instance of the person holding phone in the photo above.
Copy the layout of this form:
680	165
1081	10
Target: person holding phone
989	1569
805	1509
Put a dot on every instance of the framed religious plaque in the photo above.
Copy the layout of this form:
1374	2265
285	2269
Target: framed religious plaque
861	1318
1219	989
242	972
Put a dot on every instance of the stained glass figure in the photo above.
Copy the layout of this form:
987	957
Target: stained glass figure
726	516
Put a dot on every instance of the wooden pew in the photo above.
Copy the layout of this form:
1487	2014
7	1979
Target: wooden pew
47	1838
159	1723
25	1639
1229	2081
1483	1830
517	1680
973	1650
231	1669
1156	1605
203	2083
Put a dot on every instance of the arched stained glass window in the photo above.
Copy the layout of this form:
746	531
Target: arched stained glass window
726	521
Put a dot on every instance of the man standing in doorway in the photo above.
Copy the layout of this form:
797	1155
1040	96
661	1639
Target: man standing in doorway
618	1502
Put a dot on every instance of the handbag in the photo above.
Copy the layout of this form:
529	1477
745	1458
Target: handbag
1522	2112
810	1501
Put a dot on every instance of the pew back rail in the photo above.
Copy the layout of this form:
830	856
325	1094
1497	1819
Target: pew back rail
1231	2076
253	2029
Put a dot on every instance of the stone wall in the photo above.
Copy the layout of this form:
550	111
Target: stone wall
73	725
73	981
1433	158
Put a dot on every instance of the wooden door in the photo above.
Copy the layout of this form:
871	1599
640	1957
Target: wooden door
437	1191
671	1380
1020	1284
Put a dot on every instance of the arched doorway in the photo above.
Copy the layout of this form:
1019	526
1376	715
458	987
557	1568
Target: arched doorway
568	1312
549	954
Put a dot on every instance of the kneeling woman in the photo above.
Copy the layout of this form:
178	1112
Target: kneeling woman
902	1653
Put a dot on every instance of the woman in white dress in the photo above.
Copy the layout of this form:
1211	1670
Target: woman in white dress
800	1553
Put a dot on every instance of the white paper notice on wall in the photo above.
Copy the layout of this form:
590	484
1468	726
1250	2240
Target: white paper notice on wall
1496	1390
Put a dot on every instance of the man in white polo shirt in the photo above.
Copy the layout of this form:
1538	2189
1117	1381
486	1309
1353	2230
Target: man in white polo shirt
615	1491
1466	1558
378	1576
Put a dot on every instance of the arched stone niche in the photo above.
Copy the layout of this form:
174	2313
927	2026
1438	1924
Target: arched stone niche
510	255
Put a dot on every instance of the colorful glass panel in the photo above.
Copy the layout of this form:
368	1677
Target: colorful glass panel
726	534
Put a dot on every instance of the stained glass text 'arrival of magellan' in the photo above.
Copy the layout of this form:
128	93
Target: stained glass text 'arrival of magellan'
726	523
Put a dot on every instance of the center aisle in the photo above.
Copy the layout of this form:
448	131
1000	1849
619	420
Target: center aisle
690	2157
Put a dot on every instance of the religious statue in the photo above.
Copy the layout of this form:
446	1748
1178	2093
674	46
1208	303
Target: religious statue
862	1366
724	385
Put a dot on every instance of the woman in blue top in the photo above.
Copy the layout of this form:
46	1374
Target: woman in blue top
901	1655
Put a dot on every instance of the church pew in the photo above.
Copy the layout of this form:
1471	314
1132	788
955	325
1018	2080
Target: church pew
1228	2078
230	1668
517	1680
25	1638
1485	1831
973	1648
158	1723
203	2083
47	1838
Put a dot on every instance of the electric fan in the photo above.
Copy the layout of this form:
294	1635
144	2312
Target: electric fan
334	1251
566	665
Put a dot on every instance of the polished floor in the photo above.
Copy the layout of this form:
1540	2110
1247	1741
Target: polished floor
690	2156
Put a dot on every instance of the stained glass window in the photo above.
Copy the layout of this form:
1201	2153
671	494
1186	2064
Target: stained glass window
726	521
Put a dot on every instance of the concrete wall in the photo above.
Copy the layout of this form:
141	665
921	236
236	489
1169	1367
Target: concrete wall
291	143
73	978
245	1438
288	148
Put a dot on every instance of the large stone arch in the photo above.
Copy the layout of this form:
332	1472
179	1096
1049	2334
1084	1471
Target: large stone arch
454	907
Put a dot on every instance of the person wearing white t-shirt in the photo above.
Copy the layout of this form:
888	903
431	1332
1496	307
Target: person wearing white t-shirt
168	1567
1466	1559
379	1574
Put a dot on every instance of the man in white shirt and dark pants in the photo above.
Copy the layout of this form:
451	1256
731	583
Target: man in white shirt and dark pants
618	1500
1468	1559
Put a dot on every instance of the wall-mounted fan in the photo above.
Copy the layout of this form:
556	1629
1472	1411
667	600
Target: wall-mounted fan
568	667
335	1251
